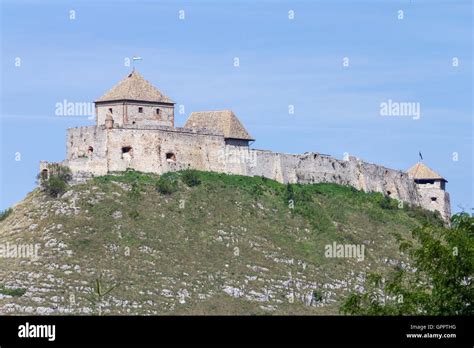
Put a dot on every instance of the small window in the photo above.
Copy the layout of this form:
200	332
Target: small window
140	109
44	174
433	199
126	149
90	149
157	111
110	110
170	157
389	193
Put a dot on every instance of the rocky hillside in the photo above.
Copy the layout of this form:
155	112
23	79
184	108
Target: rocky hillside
195	243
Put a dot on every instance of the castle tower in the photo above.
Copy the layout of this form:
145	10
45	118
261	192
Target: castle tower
135	102
431	189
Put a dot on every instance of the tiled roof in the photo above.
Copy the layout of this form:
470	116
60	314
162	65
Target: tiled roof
223	121
134	87
421	171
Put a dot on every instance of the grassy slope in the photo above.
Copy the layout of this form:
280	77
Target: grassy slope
230	245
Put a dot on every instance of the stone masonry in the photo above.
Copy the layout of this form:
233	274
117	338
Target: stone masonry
135	130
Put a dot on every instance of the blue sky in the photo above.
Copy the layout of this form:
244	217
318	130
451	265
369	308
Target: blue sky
282	62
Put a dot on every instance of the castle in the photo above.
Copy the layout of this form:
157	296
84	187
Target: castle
135	130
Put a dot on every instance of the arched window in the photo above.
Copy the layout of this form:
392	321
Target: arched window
90	150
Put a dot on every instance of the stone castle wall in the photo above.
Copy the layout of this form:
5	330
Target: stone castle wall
435	199
128	114
149	115
80	142
148	149
311	168
161	149
118	112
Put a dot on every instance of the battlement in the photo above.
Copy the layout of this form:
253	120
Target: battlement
127	136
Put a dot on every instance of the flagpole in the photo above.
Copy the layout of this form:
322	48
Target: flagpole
417	166
134	58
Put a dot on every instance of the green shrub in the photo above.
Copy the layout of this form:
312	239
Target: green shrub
317	296
5	213
298	193
54	186
63	173
12	292
134	214
289	193
386	203
131	176
135	191
166	185
56	183
257	190
190	177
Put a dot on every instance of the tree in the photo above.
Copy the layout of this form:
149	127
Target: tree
439	283
57	182
190	177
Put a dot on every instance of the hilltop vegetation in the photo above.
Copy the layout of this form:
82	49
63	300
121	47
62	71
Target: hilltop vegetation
442	283
198	243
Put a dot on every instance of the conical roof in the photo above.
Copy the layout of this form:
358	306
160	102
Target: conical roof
421	171
134	87
223	121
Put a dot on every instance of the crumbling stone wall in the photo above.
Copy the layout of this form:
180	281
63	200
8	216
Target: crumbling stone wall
147	148
311	168
161	150
158	150
80	142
